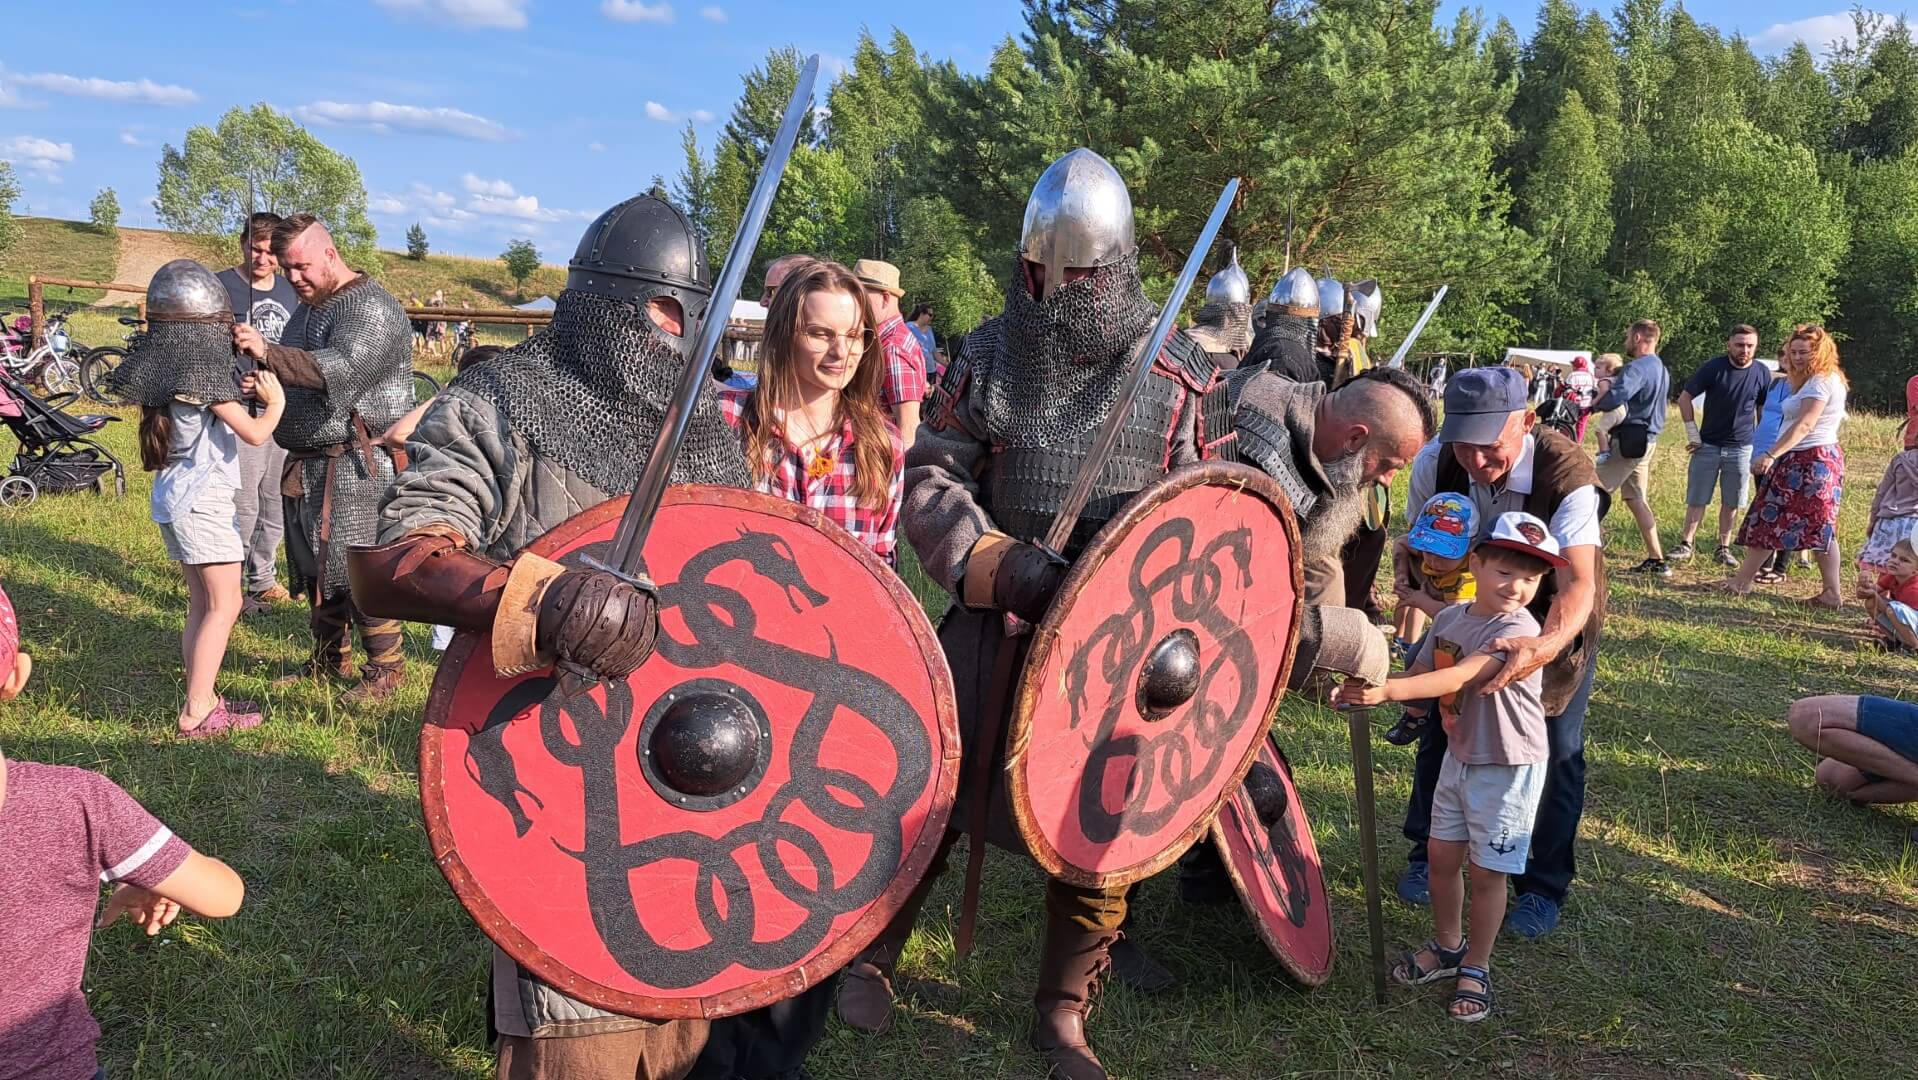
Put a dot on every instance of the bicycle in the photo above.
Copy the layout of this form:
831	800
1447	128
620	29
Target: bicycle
98	362
462	341
49	366
424	386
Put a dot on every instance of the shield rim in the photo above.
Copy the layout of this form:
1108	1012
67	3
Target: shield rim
1046	637
1295	969
770	988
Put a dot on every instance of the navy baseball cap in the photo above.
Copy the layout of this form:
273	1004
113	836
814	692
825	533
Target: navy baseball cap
1478	402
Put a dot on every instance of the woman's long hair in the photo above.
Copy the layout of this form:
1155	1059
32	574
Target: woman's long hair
778	389
1824	354
156	437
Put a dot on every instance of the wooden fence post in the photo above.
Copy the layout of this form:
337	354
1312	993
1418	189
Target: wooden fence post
37	311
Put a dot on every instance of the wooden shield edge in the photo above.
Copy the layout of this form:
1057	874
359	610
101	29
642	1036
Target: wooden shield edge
1046	636
772	988
1294	970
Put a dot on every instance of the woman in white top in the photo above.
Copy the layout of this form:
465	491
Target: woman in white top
1803	471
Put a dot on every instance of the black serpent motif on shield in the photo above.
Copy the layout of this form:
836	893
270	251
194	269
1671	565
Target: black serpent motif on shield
721	624
1205	726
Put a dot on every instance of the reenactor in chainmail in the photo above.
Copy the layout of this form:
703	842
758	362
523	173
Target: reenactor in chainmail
346	360
511	449
1223	327
1286	343
1013	418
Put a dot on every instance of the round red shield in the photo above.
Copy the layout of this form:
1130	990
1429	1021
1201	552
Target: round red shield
1155	675
735	821
1266	842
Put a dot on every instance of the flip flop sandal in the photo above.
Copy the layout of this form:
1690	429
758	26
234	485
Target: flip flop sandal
226	717
1768	577
1407	971
1472	997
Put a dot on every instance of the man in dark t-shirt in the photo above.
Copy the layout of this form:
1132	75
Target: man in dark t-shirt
1733	387
262	299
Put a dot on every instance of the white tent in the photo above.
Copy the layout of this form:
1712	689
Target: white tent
748	311
544	303
1547	357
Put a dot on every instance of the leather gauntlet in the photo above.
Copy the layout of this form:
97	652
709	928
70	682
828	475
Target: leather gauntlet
1027	581
593	620
427	577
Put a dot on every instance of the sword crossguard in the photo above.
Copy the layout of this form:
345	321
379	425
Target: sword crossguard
638	581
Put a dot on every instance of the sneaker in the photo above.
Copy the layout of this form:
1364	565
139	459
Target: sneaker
1681	553
1655	567
1415	885
1724	557
1532	917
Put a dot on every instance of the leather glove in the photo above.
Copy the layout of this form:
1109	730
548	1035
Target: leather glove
591	619
1026	582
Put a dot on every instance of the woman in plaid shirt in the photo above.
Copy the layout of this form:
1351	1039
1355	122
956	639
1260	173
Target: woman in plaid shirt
813	428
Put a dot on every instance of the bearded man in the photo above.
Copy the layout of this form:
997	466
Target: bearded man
345	358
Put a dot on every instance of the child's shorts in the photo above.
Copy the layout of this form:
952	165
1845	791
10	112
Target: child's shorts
208	533
1490	809
1897	614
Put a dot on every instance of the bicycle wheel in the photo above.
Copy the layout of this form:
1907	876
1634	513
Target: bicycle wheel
61	376
424	387
93	372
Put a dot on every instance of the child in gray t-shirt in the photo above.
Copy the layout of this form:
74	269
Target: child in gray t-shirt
1488	788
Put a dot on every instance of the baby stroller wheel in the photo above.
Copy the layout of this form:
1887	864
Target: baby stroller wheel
17	492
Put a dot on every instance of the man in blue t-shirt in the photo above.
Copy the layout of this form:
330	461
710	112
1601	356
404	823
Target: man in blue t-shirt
1641	388
1733	387
262	299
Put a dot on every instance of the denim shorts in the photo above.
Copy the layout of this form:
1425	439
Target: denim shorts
1489	808
1726	468
1891	722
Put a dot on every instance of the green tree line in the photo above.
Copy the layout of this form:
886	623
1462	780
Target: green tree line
1608	167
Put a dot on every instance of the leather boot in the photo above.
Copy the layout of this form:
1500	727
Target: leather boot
336	668
1071	962
866	994
377	683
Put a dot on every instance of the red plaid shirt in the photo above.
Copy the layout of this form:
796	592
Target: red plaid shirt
905	364
830	491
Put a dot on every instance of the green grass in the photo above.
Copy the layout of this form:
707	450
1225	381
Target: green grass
1727	920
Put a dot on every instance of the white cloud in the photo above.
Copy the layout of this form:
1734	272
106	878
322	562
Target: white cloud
36	156
635	11
386	118
128	138
596	147
124	92
656	111
700	116
498	189
714	12
386	204
465	14
1817	32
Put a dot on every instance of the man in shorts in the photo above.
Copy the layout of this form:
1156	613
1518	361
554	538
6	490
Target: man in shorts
1733	387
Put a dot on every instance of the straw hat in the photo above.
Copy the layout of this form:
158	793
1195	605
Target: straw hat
878	274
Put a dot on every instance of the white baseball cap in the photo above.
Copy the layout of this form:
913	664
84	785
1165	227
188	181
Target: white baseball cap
1520	531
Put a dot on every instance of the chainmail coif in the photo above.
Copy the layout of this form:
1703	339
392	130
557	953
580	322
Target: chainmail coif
1058	365
590	392
1230	324
178	359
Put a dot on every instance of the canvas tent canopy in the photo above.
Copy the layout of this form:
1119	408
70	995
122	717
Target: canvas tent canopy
1547	357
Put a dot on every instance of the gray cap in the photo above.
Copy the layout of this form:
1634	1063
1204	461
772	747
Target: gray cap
1479	401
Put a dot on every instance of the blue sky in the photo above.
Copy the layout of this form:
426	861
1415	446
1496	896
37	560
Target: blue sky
484	119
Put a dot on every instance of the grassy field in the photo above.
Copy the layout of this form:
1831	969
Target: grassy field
1727	921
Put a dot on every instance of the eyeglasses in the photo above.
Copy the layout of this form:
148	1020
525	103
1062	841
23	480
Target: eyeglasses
821	339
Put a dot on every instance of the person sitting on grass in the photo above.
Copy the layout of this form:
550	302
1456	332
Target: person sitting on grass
1488	789
1894	508
1867	746
1893	603
1431	576
63	831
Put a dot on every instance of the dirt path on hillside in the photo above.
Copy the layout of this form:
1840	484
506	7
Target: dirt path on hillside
142	251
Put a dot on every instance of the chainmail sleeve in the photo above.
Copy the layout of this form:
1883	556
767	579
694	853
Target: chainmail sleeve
461	473
942	514
360	342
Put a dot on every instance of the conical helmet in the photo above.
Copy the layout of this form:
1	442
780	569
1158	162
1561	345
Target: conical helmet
1080	214
1230	285
1296	294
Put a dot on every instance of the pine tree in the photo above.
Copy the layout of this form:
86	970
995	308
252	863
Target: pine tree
416	243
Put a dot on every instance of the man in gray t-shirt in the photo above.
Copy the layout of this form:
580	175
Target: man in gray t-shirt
262	299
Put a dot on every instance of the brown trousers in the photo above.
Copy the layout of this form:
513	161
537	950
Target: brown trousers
665	1052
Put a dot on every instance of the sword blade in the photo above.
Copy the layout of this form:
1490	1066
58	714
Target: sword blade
1361	728
629	543
1081	490
1398	358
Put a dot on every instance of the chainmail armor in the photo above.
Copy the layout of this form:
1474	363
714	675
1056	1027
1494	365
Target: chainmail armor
1285	346
1265	442
590	393
1026	484
178	359
1062	358
1228	324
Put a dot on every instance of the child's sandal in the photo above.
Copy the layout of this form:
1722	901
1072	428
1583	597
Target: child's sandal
1481	1000
1409	972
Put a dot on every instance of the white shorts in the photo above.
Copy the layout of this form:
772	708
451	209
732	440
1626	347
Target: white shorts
1490	808
207	533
